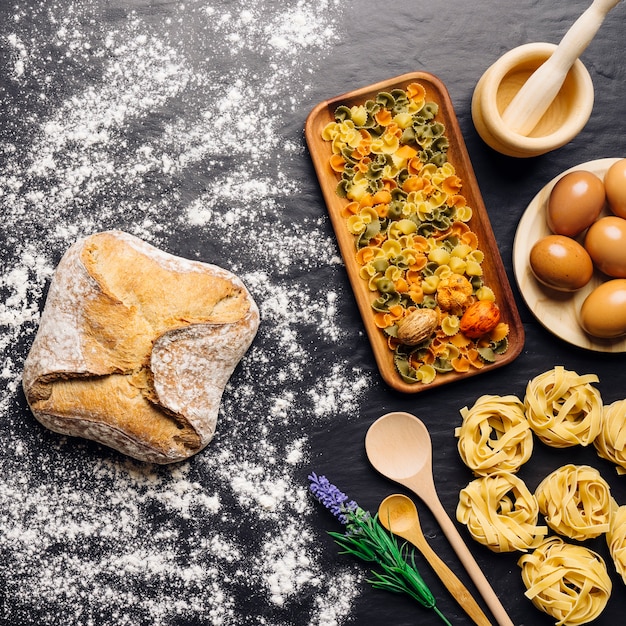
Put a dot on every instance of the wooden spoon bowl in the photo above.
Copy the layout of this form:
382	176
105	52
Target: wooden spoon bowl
398	514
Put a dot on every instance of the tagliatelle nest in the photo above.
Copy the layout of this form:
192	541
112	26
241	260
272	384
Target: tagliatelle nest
576	502
563	408
494	435
611	442
501	513
568	582
616	540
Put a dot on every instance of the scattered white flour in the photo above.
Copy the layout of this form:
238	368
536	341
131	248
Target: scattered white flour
169	122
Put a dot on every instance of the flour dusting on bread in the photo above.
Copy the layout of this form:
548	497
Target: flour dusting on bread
135	347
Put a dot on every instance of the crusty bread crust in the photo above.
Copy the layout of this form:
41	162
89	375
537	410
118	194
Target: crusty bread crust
135	347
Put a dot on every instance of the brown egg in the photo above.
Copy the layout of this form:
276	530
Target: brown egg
575	203
560	263
605	242
615	185
603	313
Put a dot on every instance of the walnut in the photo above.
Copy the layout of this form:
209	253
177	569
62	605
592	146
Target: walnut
417	326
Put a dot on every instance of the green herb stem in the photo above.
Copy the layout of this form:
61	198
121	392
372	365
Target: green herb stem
367	540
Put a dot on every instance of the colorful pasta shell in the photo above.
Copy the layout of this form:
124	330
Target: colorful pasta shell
408	216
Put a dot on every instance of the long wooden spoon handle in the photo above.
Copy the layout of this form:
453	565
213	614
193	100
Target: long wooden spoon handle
466	557
538	92
453	584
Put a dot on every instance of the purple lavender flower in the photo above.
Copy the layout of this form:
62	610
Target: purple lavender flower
331	497
367	540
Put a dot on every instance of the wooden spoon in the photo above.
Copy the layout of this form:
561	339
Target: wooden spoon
399	447
538	92
398	514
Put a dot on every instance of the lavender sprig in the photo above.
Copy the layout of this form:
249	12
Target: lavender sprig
367	540
331	497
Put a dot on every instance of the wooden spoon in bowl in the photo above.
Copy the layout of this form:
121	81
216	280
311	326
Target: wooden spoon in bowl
537	93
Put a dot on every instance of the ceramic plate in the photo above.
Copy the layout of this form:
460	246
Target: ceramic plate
494	273
558	312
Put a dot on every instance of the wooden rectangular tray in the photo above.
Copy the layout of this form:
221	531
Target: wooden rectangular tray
494	272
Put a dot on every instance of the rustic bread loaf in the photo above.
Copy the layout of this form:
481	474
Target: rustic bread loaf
135	347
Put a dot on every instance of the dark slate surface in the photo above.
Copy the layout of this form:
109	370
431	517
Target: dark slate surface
456	41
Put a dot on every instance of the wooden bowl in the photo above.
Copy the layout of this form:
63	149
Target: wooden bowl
565	118
494	272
